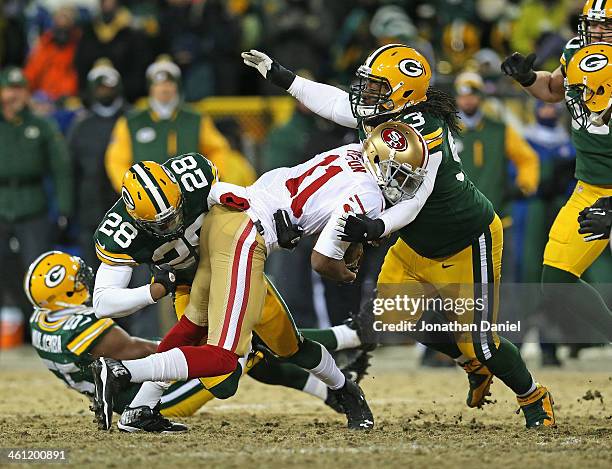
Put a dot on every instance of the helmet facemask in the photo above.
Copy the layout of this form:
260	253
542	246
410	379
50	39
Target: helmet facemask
398	181
586	24
579	95
370	95
167	225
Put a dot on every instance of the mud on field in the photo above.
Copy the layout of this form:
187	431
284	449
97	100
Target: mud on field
421	421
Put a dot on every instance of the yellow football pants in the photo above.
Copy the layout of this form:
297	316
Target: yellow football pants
472	274
566	248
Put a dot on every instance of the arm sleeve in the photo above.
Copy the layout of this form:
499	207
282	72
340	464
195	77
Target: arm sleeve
118	158
61	169
112	298
405	212
525	159
326	101
367	203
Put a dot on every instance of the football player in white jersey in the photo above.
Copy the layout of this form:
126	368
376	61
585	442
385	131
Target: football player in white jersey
228	290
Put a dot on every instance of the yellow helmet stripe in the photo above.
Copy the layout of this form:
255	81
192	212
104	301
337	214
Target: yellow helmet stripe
159	198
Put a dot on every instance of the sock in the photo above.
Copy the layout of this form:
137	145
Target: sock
581	300
443	342
166	366
149	394
208	360
328	372
277	373
531	389
308	355
315	387
184	332
325	337
507	364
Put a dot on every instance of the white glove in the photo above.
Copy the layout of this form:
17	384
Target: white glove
258	60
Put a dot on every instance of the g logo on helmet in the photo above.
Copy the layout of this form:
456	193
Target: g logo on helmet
54	277
127	198
593	63
394	139
411	67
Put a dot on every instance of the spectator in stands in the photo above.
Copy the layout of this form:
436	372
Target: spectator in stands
32	150
167	128
50	65
486	145
111	35
87	142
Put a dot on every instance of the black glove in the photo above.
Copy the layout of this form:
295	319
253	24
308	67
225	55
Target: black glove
520	68
596	220
164	275
359	228
287	233
269	68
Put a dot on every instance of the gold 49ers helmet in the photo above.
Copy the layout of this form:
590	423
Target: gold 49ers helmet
392	78
595	22
57	280
396	155
589	84
153	199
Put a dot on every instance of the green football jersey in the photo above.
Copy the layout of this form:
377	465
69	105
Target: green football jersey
119	241
593	144
64	341
456	212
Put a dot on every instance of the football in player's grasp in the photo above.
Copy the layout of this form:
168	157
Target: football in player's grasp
353	256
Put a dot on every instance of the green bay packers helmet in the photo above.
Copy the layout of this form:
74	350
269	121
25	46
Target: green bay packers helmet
153	199
56	280
595	13
392	78
589	84
396	155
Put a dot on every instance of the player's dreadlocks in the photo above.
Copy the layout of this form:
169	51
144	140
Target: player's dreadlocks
441	105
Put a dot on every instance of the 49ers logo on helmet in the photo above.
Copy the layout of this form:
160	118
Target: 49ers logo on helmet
394	139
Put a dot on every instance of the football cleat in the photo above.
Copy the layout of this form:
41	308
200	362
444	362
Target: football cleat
537	408
145	419
357	368
480	379
354	405
362	322
110	376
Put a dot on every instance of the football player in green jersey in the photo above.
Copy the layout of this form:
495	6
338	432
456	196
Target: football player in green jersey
449	232
157	222
567	256
67	336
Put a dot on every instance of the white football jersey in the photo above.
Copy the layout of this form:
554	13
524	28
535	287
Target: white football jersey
314	194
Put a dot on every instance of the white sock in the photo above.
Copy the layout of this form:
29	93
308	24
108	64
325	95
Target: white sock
315	387
346	337
531	389
149	394
165	366
328	372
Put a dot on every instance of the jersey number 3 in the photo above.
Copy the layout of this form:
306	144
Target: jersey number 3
301	195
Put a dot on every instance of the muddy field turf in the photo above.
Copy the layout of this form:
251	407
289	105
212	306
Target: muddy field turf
422	421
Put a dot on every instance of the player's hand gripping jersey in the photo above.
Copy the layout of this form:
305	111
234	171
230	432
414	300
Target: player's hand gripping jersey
120	241
314	194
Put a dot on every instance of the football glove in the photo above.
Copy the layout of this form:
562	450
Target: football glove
165	276
520	68
287	233
359	228
269	68
596	220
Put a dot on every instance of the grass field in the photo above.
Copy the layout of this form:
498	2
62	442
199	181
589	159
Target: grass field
422	421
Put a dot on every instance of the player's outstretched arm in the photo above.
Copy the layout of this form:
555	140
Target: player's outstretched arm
332	269
327	101
119	345
545	86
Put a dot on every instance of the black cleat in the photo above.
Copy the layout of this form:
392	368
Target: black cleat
354	405
110	376
362	322
333	402
357	366
145	419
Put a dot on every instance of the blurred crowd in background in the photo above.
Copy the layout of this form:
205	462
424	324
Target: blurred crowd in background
90	86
